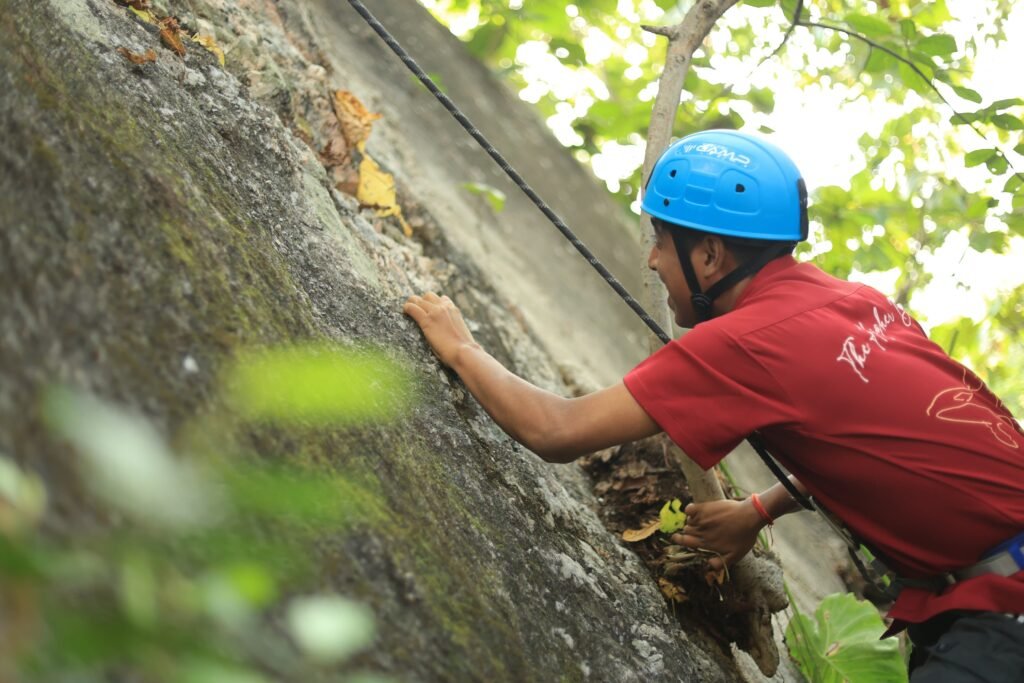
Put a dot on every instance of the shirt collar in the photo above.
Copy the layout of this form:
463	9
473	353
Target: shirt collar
764	276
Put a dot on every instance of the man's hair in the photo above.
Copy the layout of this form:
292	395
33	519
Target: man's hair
742	248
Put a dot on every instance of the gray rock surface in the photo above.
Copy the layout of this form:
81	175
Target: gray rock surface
156	218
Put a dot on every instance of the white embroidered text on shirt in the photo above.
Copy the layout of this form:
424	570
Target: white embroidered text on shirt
857	347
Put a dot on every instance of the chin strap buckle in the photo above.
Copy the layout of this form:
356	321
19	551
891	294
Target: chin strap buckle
701	305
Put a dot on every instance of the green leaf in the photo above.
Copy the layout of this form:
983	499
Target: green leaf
672	517
997	165
937	45
841	645
982	240
932	14
1013	183
908	29
1007	122
1000	105
870	26
758	3
978	157
1019	149
495	197
967	94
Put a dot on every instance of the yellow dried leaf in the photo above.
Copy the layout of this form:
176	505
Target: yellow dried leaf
144	14
376	187
210	43
634	535
355	119
672	591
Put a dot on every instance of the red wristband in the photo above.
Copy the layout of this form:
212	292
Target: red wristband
759	506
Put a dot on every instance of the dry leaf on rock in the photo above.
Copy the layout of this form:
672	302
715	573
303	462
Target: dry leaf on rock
170	34
135	57
335	152
634	535
355	119
717	576
672	591
376	187
210	43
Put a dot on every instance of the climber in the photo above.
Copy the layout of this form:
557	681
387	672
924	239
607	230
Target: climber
904	445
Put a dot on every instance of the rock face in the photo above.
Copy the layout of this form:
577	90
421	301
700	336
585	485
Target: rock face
158	217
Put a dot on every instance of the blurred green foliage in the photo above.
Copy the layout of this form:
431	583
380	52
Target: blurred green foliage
192	554
902	55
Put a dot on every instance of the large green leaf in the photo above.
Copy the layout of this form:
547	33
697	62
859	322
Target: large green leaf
938	45
842	645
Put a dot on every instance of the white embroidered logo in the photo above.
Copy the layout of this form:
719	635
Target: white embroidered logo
857	348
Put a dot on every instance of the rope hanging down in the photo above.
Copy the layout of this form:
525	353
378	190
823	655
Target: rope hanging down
420	74
511	172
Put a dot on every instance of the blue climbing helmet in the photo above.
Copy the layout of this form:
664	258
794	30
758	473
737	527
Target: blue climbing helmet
731	184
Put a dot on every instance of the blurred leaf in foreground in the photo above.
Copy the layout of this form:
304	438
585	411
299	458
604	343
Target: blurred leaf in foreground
128	464
319	383
330	628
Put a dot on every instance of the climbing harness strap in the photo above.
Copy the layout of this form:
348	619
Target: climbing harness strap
507	168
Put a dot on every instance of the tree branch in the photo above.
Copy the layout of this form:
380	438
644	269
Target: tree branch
757	580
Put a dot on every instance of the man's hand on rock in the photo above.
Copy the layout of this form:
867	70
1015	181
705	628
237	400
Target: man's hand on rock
442	325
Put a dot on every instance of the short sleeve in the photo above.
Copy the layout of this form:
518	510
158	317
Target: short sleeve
708	393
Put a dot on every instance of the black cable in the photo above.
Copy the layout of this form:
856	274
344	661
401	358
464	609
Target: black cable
422	76
505	166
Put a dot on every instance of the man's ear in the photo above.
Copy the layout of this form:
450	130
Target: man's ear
713	254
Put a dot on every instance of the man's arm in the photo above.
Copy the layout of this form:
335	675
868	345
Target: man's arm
556	428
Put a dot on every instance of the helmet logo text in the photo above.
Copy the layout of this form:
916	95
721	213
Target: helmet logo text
719	152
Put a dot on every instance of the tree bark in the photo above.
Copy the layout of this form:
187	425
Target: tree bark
758	581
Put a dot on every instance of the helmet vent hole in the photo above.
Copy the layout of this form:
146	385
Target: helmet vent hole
672	173
666	202
740	187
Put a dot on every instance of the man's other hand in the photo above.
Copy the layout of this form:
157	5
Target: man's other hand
727	527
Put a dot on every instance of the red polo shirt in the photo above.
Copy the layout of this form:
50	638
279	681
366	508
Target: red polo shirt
909	448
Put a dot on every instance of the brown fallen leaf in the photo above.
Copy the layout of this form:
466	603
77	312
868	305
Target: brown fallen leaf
210	43
135	57
170	34
672	591
634	535
335	152
717	576
355	119
141	5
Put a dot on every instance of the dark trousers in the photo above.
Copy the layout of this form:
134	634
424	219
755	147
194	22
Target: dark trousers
968	647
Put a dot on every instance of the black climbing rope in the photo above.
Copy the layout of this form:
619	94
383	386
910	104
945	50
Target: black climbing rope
428	82
511	172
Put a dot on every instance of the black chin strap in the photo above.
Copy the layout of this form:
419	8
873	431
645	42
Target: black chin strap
702	301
